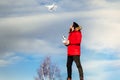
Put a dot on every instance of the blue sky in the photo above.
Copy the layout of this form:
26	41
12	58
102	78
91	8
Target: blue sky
29	33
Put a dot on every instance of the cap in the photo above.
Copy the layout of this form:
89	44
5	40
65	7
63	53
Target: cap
75	25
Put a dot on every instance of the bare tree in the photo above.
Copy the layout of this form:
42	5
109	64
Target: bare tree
48	71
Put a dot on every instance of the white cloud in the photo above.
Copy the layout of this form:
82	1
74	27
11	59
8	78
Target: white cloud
79	5
20	8
101	69
17	3
102	4
7	60
102	31
101	65
29	35
37	46
4	63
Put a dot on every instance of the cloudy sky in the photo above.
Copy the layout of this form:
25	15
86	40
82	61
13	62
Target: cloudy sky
29	33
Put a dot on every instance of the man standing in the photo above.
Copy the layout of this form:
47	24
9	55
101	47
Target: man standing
73	50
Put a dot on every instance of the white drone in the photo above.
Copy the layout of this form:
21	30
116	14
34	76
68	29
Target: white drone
51	7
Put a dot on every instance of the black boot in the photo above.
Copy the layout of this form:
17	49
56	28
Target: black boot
69	79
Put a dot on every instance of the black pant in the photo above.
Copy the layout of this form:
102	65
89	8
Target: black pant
70	60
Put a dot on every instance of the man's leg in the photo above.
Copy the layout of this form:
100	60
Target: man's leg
79	66
69	67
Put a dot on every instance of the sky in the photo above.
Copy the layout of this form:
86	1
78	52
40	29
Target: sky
29	33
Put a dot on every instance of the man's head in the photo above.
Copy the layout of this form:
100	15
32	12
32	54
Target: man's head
75	27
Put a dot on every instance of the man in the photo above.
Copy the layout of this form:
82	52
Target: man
73	50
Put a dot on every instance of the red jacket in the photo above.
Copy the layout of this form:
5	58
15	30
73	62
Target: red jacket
75	40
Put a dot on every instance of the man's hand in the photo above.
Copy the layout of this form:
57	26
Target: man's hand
67	42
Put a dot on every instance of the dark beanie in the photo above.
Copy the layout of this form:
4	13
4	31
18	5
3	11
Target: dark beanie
75	25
